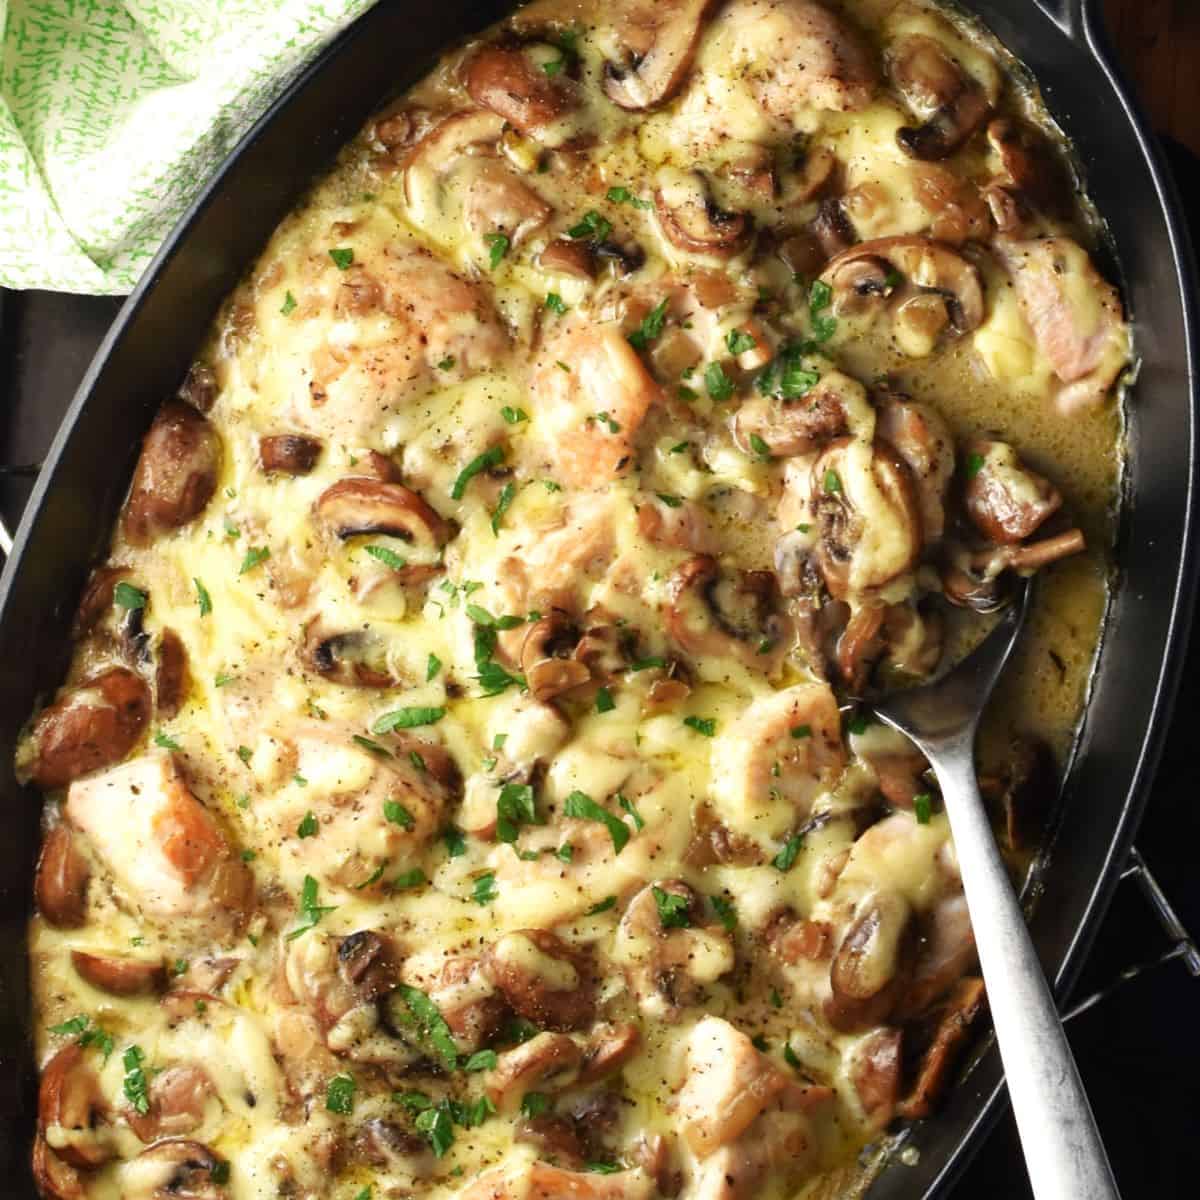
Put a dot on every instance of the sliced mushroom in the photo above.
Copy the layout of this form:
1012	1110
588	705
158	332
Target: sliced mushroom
288	453
958	212
713	612
554	1137
880	268
72	1111
946	952
569	256
609	1048
55	1178
97	598
670	964
385	1144
176	473
714	842
875	1072
355	657
860	644
543	979
802	424
120	975
796	940
849	479
171	676
60	886
657	41
547	658
691	220
454	175
359	505
469	1001
923	439
1006	501
950	102
943	1035
547	1062
175	1168
1031	168
367	965
872	966
177	1097
91	725
510	80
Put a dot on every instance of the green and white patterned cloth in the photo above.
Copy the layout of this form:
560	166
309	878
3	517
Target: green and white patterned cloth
113	113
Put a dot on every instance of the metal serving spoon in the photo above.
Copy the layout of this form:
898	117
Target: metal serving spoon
1063	1151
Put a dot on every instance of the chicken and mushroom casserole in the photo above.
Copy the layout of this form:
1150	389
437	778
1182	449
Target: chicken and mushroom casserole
461	788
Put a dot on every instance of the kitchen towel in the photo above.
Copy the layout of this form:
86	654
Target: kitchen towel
113	113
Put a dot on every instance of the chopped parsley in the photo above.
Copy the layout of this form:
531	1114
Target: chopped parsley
308	827
408	718
447	363
788	852
650	329
726	913
339	1095
481	1060
409	879
601	906
456	844
289	304
974	465
134	1084
819	296
760	447
481	462
534	1104
425	1019
432	666
718	385
583	807
498	245
627	804
833	483
858	723
702	725
513	416
502	505
389	558
592	226
923	808
203	598
622	195
603	1168
672	909
514	807
801	731
128	596
310	911
737	341
484	891
604	700
786	377
669	500
608	422
254	556
395	813
222	679
245	754
342	257
166	741
646	664
554	302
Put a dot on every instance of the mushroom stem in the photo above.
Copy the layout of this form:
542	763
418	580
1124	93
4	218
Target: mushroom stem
1039	554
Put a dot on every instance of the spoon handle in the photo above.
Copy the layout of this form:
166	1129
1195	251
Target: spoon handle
1063	1151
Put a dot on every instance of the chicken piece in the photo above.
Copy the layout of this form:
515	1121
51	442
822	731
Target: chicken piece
526	1180
776	758
799	55
592	393
1075	315
385	330
163	847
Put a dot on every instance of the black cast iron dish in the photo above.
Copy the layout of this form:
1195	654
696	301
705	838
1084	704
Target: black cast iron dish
67	523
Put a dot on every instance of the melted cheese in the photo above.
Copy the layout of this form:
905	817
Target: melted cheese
431	337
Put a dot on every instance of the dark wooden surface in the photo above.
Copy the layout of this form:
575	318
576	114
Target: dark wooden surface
1158	43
